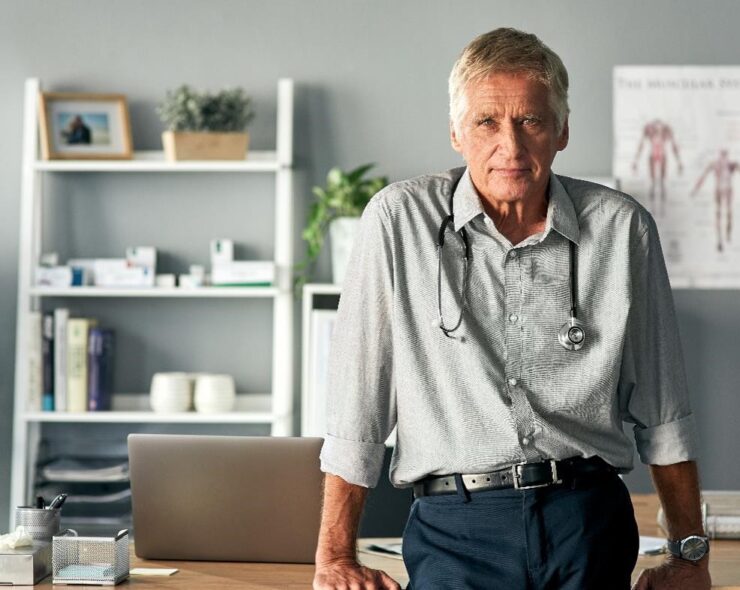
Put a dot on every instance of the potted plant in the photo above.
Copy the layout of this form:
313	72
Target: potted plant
204	126
337	209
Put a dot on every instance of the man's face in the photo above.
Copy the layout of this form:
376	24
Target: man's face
508	137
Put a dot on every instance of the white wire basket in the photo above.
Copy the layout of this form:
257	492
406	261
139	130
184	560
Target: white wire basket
96	561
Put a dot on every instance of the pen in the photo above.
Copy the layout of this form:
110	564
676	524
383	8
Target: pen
57	502
40	502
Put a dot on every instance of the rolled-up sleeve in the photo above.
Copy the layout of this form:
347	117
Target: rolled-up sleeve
361	403
653	390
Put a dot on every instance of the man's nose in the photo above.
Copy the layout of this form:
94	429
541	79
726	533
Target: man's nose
510	139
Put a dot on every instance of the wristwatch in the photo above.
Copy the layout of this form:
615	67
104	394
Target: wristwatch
691	548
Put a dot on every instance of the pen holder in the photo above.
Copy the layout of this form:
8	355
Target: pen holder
100	561
41	523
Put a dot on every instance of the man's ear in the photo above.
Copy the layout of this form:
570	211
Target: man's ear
454	140
564	136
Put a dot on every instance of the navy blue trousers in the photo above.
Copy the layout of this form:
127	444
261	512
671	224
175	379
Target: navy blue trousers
579	536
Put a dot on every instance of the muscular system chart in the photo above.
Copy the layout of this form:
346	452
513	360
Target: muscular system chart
677	150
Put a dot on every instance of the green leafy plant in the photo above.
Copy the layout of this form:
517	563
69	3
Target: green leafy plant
185	109
345	195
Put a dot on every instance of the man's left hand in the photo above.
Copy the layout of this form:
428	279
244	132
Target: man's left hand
676	574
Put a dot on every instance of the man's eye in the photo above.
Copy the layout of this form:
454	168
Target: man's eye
530	121
486	122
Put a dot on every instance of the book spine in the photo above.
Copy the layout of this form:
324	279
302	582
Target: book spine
35	363
47	351
77	332
61	317
100	369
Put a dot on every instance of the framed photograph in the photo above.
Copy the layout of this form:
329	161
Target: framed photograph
84	126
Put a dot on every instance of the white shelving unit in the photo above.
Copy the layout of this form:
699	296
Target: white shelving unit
274	408
310	291
223	292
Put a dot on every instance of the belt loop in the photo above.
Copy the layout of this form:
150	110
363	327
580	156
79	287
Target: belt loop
462	491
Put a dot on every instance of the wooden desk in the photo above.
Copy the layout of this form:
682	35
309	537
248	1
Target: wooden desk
724	565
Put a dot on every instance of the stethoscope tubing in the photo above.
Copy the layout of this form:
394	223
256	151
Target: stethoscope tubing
571	336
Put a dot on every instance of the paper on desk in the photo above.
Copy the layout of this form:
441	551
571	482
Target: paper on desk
19	538
651	545
152	571
648	546
385	549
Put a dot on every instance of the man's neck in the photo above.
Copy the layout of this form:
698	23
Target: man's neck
518	220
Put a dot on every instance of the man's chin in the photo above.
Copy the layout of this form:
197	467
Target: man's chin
509	191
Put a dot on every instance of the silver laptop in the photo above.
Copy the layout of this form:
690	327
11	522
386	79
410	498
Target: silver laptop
225	498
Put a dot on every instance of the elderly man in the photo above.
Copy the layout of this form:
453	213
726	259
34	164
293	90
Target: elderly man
507	321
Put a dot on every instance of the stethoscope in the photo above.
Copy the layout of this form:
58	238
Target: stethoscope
571	336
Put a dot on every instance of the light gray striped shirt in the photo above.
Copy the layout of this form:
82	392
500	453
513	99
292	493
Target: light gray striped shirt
504	391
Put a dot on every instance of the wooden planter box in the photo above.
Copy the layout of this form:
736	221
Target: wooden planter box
187	145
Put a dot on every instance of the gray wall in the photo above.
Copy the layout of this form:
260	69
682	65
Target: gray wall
371	78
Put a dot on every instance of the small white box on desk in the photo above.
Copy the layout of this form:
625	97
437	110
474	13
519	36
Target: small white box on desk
25	566
243	272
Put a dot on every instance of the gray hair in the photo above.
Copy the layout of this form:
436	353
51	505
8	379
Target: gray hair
509	51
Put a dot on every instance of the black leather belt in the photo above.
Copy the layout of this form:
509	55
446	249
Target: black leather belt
521	476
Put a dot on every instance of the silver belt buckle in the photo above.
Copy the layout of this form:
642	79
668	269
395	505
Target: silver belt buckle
515	472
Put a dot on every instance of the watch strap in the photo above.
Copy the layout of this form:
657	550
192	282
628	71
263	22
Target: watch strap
674	547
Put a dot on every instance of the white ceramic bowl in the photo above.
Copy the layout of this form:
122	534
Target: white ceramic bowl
171	392
214	393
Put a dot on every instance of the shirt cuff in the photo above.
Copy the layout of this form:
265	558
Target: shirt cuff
668	443
354	461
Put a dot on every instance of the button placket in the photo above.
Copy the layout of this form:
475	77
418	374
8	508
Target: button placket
514	299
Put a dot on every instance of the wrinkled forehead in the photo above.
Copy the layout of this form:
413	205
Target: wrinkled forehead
506	90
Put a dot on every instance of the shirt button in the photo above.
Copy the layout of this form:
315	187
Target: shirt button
513	318
512	253
512	381
525	441
488	221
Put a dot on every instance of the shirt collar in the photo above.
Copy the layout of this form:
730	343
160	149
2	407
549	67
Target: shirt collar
466	203
561	215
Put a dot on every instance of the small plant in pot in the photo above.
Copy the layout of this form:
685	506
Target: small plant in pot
337	209
204	126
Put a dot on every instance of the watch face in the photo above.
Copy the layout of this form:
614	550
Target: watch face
693	548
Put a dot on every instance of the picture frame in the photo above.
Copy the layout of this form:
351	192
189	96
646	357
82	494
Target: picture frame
84	126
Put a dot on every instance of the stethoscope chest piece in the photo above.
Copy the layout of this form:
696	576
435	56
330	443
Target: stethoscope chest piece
572	335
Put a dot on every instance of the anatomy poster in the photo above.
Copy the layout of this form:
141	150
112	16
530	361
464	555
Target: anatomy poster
677	150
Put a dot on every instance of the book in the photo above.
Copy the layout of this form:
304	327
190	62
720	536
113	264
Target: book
47	352
35	362
99	369
77	339
61	317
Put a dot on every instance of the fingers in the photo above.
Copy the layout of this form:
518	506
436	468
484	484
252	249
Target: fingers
354	578
388	583
643	582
